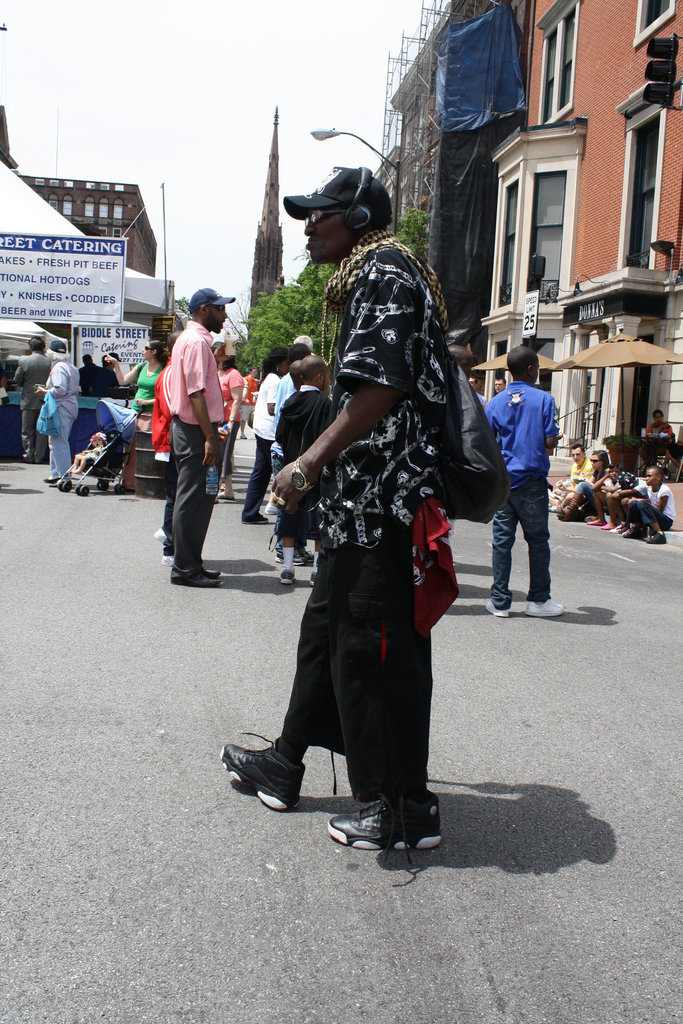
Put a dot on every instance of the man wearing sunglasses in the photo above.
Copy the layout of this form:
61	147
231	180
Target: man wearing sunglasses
363	681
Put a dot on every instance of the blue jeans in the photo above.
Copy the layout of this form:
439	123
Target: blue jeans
527	505
302	536
589	495
642	513
258	481
60	452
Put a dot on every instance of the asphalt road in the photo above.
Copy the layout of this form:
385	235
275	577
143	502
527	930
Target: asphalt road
138	885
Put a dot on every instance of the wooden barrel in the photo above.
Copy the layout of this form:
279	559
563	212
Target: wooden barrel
149	472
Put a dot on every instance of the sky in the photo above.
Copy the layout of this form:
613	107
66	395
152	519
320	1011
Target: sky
184	94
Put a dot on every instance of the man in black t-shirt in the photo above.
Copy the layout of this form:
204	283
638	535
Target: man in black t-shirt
363	682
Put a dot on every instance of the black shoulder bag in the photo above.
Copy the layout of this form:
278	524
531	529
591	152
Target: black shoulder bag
476	482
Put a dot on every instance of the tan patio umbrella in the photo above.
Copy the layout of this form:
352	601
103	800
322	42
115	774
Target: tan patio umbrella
501	363
622	350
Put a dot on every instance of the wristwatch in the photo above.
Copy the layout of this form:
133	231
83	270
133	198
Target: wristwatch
299	481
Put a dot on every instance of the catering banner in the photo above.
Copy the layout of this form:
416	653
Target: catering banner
61	278
127	342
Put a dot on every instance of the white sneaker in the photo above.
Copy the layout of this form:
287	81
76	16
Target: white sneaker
548	610
271	510
160	535
167	560
502	613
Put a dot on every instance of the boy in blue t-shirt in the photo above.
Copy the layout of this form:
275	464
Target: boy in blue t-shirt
525	422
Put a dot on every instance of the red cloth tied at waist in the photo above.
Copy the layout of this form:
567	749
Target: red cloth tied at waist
434	582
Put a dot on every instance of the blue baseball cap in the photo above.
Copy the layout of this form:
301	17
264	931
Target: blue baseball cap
208	297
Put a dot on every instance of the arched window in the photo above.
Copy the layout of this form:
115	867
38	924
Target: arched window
89	208
118	210
54	202
104	209
67	206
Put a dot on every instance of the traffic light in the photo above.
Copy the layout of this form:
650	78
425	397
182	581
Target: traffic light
661	71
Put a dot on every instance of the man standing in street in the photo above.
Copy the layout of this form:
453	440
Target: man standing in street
196	404
525	422
363	681
32	370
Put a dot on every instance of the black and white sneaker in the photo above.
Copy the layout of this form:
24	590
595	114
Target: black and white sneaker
379	825
276	780
303	558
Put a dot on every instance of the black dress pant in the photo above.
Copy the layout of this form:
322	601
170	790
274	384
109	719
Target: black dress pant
193	506
363	681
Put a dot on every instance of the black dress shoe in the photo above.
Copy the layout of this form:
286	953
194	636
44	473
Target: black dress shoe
257	519
211	574
198	580
51	480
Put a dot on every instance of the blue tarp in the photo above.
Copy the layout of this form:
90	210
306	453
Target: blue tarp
478	77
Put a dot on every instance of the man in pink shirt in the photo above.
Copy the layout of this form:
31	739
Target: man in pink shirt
196	405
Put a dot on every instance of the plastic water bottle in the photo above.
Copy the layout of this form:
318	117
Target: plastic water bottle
212	480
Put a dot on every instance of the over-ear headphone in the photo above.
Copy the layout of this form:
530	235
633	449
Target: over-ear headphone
358	215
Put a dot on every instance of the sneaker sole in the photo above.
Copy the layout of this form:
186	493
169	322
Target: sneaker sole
426	843
286	583
272	802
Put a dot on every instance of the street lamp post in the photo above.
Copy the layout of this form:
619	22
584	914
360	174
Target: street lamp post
322	134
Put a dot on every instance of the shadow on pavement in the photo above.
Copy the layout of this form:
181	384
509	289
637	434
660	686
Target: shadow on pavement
584	615
522	829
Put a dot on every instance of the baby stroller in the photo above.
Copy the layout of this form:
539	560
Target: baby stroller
118	425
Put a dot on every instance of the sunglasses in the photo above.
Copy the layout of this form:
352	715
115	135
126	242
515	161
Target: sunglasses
147	348
316	215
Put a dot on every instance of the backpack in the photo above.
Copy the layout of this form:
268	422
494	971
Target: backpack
476	482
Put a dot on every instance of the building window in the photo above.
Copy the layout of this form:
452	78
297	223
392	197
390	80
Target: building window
53	201
104	209
67	206
118	209
546	230
511	200
643	200
40	181
559	57
68	184
89	208
104	187
116	232
54	181
90	184
652	15
549	89
119	188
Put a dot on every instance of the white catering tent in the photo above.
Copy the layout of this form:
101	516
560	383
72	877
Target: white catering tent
23	211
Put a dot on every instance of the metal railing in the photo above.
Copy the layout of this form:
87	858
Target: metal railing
586	422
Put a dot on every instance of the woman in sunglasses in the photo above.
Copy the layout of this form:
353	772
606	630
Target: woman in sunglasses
144	376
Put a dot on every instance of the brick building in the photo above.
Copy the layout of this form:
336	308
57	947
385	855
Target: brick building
103	208
591	182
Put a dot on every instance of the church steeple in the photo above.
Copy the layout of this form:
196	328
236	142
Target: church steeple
266	275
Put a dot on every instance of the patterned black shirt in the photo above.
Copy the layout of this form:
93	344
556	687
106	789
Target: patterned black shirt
389	335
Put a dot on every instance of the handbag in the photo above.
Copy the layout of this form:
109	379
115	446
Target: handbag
476	482
48	421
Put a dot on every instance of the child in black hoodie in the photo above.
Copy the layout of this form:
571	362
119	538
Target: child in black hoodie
306	412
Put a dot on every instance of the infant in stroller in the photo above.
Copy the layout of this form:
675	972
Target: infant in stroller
87	458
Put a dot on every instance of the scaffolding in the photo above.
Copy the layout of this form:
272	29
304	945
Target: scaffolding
411	129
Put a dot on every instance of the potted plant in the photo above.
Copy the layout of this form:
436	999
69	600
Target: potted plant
623	448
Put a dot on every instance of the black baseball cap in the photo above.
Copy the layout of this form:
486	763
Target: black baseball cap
208	297
339	189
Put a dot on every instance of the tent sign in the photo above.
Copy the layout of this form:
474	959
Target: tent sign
73	279
530	321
